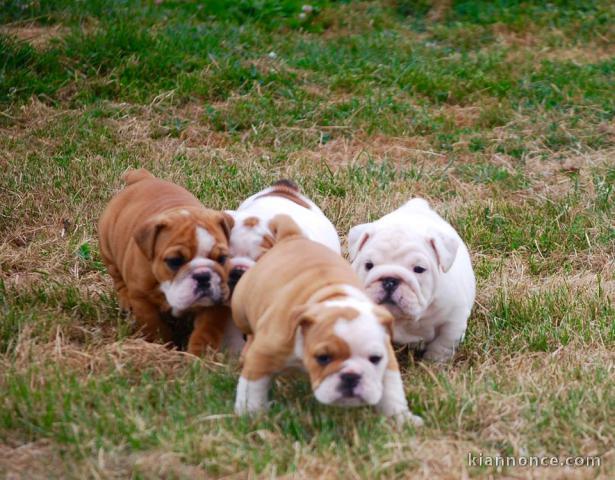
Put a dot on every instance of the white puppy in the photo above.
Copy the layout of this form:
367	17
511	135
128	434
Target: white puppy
251	236
414	263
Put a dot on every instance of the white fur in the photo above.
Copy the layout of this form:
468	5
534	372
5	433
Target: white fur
430	307
181	291
393	402
252	395
233	338
245	241
205	242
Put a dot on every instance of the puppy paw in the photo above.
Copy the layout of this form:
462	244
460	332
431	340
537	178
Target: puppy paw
406	417
251	396
438	355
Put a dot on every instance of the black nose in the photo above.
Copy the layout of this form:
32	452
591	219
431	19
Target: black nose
390	284
349	381
235	275
202	278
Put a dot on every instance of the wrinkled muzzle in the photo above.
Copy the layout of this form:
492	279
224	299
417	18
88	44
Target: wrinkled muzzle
353	385
197	286
397	290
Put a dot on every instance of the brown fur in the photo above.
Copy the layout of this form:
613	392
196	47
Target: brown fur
144	223
251	221
287	193
319	341
285	182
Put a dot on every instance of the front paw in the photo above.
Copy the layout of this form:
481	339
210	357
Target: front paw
438	355
243	407
251	396
406	417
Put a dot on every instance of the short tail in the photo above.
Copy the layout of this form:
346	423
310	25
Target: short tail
136	175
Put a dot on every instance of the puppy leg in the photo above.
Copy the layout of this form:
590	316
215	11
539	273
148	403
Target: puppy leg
255	380
393	402
442	348
118	284
252	395
244	351
148	320
208	329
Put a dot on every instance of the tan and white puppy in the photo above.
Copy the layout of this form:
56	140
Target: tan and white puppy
251	236
302	305
166	254
415	264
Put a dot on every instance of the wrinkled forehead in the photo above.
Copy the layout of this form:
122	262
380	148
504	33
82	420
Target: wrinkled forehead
395	242
328	316
353	331
247	226
248	236
363	334
198	235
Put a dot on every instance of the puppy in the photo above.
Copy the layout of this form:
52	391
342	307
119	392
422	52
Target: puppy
167	254
414	263
251	236
302	305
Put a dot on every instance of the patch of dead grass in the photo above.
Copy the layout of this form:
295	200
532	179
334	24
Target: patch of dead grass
36	460
342	151
39	36
128	357
513	276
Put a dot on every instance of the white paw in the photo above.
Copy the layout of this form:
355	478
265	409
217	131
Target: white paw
251	396
438	355
407	417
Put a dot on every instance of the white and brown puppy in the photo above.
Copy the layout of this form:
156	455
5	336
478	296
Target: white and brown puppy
167	256
251	236
415	264
302	305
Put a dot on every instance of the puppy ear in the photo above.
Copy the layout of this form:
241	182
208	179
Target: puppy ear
227	222
386	319
357	237
282	226
147	234
302	317
445	246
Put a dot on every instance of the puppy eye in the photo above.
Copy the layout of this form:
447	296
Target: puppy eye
375	359
418	269
369	265
323	360
222	259
174	263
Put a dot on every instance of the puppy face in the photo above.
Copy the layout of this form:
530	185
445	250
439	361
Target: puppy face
249	240
345	351
400	268
188	250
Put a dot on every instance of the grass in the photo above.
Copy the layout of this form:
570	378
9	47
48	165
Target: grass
500	113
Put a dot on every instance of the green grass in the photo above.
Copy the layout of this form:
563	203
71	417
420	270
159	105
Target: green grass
500	113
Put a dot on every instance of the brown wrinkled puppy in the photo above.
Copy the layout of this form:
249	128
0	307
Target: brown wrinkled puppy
166	254
301	304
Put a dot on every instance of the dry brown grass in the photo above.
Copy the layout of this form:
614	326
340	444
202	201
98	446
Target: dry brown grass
39	36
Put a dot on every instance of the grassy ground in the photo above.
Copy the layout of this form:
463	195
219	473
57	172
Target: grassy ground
500	113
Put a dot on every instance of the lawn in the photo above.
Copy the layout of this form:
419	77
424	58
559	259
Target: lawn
501	113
